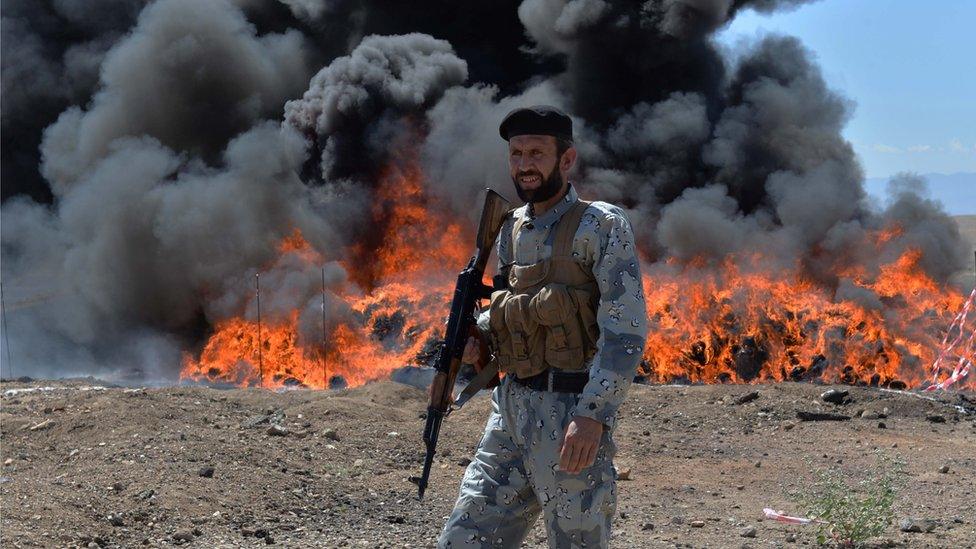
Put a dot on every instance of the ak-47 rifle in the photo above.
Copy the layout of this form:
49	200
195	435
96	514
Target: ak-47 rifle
468	291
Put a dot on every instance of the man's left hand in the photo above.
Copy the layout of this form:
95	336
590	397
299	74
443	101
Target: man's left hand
580	445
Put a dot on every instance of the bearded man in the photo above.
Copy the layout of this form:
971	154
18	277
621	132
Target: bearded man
568	333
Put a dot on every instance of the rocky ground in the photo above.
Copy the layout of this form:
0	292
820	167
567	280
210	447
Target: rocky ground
85	465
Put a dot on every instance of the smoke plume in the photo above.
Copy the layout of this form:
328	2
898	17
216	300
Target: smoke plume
156	154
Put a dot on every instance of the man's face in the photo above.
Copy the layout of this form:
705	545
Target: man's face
534	166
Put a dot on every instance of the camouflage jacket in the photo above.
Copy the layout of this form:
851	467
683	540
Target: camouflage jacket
604	243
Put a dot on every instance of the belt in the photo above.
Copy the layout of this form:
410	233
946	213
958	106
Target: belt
556	381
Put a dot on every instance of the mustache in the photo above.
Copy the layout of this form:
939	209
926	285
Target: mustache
530	172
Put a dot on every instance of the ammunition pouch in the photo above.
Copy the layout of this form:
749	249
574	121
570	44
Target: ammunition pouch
555	328
546	316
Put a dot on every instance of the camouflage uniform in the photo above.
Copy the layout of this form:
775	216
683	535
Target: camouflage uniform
515	473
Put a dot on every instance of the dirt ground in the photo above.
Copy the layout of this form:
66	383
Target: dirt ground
85	465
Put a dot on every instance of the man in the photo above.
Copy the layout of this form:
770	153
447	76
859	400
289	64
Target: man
568	333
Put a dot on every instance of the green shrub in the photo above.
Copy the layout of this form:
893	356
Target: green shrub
852	513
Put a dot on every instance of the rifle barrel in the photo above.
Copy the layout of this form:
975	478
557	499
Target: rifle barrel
431	431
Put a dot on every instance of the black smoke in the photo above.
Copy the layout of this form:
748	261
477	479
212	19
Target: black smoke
156	153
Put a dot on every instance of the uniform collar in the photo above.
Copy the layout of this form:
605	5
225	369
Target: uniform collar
556	212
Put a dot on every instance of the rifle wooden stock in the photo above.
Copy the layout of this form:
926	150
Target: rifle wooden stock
492	217
468	291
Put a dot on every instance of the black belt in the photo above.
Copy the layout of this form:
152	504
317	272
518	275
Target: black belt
557	381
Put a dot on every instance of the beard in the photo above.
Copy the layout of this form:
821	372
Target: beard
550	186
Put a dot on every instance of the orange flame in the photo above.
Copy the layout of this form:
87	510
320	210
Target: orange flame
725	325
407	285
739	321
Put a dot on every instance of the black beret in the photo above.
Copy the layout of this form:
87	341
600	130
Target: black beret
537	120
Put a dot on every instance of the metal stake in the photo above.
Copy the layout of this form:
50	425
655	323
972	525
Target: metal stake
6	332
325	366
257	293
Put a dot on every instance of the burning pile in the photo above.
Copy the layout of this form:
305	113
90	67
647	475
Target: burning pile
712	325
734	326
763	258
392	320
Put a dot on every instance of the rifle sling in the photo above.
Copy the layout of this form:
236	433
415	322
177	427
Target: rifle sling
478	383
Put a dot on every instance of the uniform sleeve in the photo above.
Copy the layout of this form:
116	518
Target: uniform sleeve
504	253
622	317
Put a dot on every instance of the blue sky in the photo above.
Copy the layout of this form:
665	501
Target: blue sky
908	65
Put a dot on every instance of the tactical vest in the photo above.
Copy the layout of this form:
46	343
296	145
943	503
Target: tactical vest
547	317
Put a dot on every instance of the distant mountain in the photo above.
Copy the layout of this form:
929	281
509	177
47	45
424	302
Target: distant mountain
956	191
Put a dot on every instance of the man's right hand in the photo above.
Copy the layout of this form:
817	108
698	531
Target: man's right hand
472	353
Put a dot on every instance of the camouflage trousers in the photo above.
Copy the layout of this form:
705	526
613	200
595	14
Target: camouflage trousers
515	476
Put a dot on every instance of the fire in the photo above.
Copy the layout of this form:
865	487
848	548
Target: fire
738	321
398	302
726	325
295	243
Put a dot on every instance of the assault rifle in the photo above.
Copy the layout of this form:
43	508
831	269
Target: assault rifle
468	291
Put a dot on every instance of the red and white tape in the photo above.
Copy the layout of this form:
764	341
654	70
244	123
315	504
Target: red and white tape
964	355
779	516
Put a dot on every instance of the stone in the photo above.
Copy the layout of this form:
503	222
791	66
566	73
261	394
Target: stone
44	425
623	473
748	397
790	537
207	471
277	431
934	418
868	414
835	396
464	462
255	421
944	469
647	526
331	434
916	525
820	416
748	532
183	536
697	524
115	520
